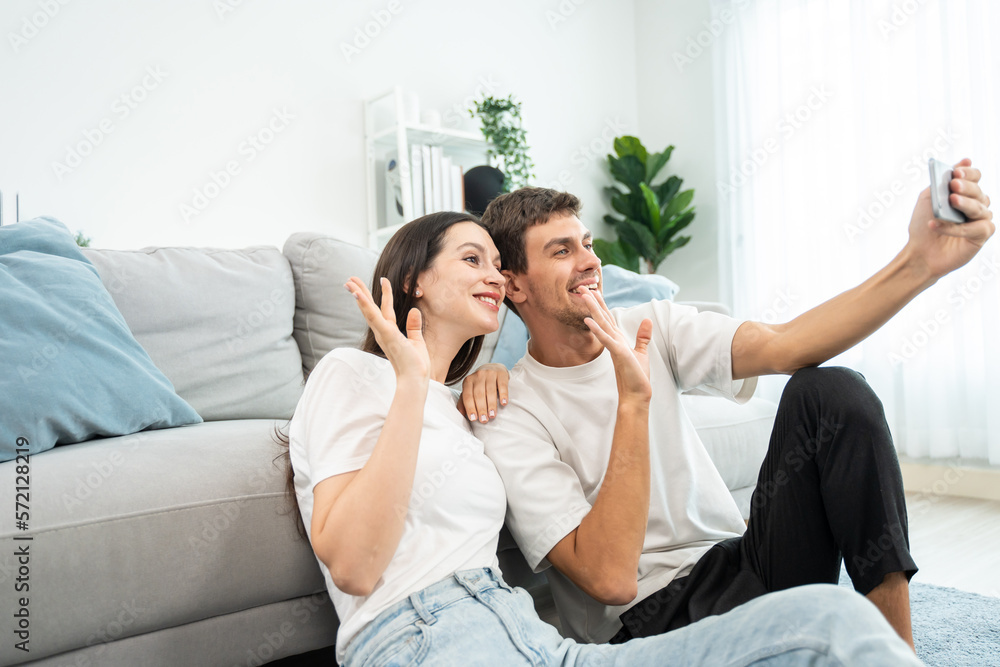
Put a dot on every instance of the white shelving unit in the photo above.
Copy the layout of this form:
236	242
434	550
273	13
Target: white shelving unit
386	130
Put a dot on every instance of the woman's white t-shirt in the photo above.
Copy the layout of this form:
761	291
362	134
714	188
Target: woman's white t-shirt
457	504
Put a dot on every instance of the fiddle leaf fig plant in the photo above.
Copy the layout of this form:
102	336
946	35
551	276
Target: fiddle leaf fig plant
652	214
508	147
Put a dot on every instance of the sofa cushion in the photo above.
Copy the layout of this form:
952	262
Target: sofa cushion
736	436
155	530
326	315
743	496
218	323
69	367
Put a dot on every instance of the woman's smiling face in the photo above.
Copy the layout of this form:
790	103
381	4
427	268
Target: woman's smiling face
463	288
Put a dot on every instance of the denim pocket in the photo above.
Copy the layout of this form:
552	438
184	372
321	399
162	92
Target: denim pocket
406	647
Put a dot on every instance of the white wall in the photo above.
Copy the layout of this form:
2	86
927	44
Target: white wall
676	106
225	72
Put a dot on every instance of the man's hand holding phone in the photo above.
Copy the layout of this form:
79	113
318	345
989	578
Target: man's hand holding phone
941	177
940	245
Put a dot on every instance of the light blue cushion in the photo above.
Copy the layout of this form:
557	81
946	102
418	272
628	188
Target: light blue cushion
70	369
622	288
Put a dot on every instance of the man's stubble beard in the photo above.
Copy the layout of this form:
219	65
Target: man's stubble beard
572	319
569	317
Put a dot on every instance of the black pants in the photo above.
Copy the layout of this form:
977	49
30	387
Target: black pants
829	489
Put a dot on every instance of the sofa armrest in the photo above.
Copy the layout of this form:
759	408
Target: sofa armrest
736	438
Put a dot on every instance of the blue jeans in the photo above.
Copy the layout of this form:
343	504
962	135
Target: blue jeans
474	618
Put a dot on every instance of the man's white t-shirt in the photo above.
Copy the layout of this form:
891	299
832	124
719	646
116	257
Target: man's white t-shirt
457	504
551	444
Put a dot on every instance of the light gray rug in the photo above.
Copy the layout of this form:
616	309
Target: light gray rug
952	628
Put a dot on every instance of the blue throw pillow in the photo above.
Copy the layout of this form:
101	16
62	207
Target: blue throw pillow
70	369
622	288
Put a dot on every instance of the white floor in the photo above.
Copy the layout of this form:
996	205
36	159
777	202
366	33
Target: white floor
956	542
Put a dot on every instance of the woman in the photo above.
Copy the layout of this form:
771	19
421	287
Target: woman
403	509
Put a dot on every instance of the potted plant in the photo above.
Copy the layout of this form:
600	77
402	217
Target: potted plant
508	148
652	214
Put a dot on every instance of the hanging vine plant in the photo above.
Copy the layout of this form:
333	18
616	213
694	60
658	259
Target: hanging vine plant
508	148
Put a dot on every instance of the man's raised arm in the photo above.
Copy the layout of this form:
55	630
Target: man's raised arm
934	249
601	555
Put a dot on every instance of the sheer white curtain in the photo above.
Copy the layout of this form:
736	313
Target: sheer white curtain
826	113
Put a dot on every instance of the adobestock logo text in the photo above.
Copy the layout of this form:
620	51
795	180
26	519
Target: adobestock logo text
121	108
32	25
249	149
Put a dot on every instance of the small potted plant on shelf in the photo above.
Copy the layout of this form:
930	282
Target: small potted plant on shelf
508	147
652	214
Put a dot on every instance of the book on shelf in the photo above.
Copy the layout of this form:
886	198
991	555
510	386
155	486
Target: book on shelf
417	180
447	203
425	163
457	189
436	178
436	184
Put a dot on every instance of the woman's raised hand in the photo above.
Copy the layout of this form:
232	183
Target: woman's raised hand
407	354
631	364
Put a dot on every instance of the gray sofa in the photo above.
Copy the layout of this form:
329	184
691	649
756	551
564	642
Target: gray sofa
177	546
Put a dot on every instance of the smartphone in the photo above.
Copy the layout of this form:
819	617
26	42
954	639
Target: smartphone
940	178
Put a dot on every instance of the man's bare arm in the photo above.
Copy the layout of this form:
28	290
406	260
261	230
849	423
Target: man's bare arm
828	329
934	249
601	555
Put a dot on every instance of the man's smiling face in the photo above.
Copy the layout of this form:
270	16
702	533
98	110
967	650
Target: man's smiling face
561	265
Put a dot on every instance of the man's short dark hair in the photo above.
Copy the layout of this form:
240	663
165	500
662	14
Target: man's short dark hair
508	217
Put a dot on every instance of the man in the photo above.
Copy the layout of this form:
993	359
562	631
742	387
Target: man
638	522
